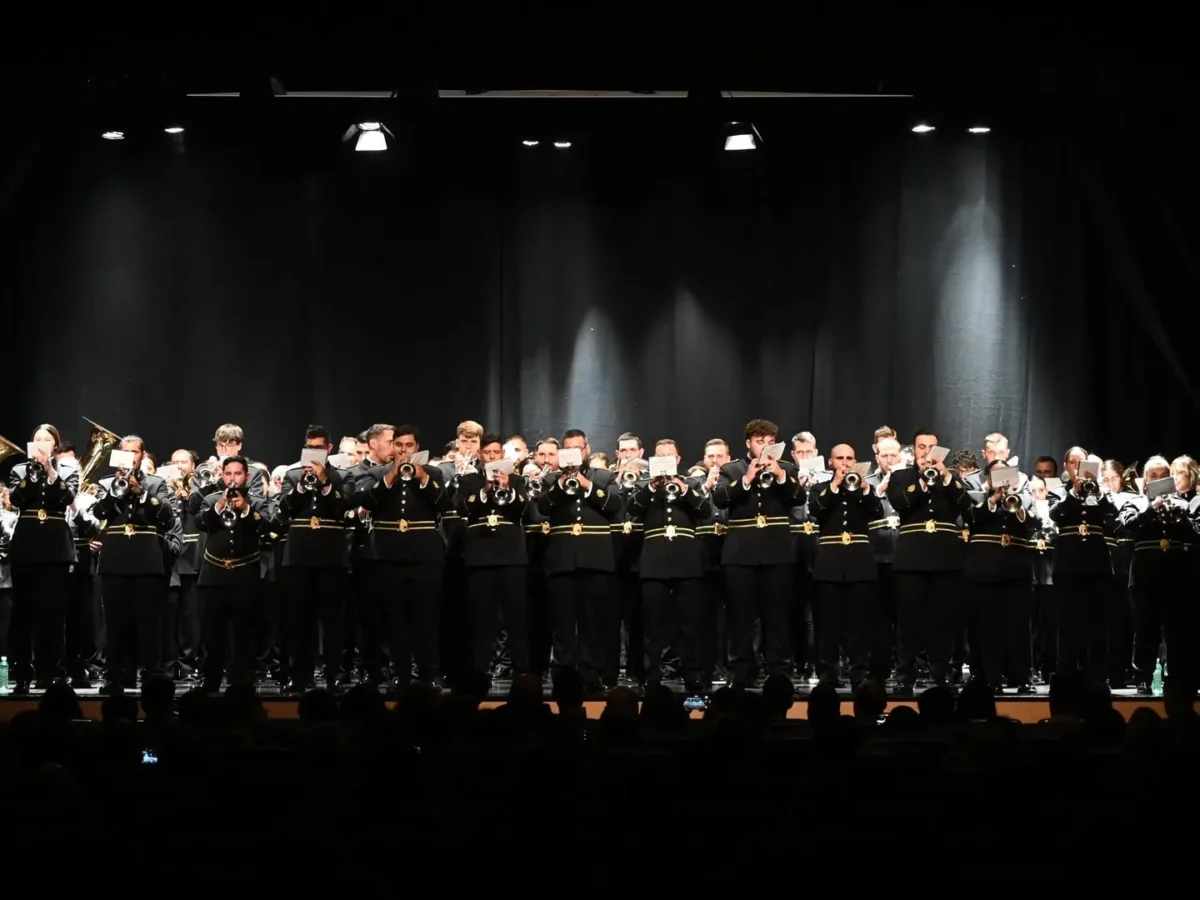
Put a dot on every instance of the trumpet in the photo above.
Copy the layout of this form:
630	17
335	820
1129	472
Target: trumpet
1089	490
571	484
34	471
931	476
852	480
630	477
536	486
407	471
204	478
673	490
119	486
229	515
1012	502
309	480
504	496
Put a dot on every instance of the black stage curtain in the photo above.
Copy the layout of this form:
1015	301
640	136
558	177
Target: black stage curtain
849	275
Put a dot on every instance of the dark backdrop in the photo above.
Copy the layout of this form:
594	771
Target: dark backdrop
1035	280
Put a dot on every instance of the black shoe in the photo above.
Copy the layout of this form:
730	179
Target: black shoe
1025	689
112	689
81	683
904	688
1143	687
400	683
43	684
296	686
211	687
336	683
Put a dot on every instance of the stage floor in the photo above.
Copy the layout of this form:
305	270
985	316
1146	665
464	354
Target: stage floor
1028	708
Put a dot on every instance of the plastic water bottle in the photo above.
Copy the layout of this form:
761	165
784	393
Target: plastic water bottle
3	674
1156	684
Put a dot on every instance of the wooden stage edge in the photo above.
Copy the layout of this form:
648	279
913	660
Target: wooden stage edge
1029	711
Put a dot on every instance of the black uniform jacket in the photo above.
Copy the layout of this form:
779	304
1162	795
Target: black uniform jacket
758	531
844	517
579	533
670	547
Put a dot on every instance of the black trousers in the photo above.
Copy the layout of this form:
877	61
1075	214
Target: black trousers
626	635
406	599
883	625
925	620
41	593
763	593
1122	627
847	611
1002	615
453	633
540	626
183	628
1151	601
1045	630
133	610
224	610
313	597
495	595
80	633
804	619
675	611
1084	611
715	653
582	604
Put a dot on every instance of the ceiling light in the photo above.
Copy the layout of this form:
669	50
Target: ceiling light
742	136
979	129
562	145
530	143
371	136
113	135
922	129
174	129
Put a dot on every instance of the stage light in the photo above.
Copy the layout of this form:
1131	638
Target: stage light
562	145
174	129
530	143
922	129
113	135
979	129
370	136
741	136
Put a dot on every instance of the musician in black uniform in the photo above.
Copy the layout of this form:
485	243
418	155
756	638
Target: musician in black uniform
538	476
313	505
230	574
363	613
1044	613
492	510
758	555
806	613
844	567
928	562
579	506
227	441
134	566
41	556
711	534
1122	487
404	556
884	532
999	572
81	631
628	639
181	622
1161	576
1082	571
671	570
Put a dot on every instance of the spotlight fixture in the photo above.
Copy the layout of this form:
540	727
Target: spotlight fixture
174	129
113	135
922	128
742	136
530	143
370	136
979	129
562	145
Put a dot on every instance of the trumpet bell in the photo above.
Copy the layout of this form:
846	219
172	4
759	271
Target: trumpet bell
629	478
407	471
766	479
852	481
229	518
1012	502
100	444
571	485
504	496
930	475
118	487
205	478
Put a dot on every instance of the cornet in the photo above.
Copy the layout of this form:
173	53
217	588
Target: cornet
931	476
852	480
309	480
204	478
34	471
766	478
1089	491
1012	502
571	483
536	486
504	496
673	490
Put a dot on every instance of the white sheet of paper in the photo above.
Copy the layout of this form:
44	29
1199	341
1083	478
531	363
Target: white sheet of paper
1042	508
1053	484
570	457
775	451
1089	468
1008	477
663	467
340	460
1015	462
83	502
121	459
1141	483
420	458
31	449
146	465
511	452
169	473
311	455
937	454
812	464
863	469
499	465
1159	487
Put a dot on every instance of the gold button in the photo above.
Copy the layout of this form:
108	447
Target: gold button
1041	544
627	528
128	531
930	526
670	532
846	538
808	527
493	520
545	528
41	515
576	529
402	527
1005	540
760	521
1165	544
314	523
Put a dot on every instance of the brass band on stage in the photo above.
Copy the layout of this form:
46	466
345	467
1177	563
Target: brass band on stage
492	557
